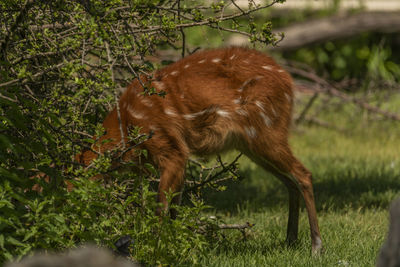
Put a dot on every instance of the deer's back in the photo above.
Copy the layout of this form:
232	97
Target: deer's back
214	100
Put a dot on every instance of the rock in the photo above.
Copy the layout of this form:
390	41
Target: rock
390	251
87	256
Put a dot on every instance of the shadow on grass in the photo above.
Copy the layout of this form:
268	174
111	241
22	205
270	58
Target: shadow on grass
333	191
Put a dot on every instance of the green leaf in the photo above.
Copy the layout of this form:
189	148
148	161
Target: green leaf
5	143
33	231
59	218
14	241
15	116
10	175
2	241
6	203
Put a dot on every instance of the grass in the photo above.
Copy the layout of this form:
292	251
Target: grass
351	237
356	176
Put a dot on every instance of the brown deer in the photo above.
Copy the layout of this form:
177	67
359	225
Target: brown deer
233	98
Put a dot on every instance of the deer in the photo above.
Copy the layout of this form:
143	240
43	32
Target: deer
216	100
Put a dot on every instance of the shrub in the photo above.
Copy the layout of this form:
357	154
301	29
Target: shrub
62	66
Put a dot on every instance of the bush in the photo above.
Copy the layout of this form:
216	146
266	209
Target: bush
94	213
62	66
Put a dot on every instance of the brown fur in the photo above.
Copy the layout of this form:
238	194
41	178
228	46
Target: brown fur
217	100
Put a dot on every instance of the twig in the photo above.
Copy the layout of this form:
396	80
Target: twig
181	30
129	148
247	225
198	163
241	227
21	16
8	98
323	124
212	178
137	29
26	80
306	108
111	64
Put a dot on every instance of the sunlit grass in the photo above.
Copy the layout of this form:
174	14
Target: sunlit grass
356	176
351	238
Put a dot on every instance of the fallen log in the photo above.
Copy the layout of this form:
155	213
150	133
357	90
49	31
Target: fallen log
331	28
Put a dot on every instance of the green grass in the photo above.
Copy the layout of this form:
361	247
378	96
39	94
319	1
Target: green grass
356	176
350	236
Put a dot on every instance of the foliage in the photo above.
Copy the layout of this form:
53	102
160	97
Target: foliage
63	64
370	59
94	213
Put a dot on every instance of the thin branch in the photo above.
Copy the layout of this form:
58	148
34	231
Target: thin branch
212	178
21	16
324	124
8	98
237	6
136	29
329	89
306	108
111	64
181	30
26	80
247	225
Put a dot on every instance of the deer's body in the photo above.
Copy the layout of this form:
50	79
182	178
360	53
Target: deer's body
217	100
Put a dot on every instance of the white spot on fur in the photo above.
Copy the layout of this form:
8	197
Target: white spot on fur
244	85
288	97
202	61
232	57
170	112
174	73
260	105
189	116
246	61
250	131
266	119
187	66
273	111
256	78
194	115
182	96
216	60
147	102
237	101
223	113
135	114
241	112
267	67
281	70
159	85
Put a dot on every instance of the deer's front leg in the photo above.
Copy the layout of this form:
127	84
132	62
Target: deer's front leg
171	181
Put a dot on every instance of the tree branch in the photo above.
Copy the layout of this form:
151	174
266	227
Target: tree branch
329	89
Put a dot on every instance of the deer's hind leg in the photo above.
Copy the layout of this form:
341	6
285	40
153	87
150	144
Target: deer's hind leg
169	155
278	159
172	171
